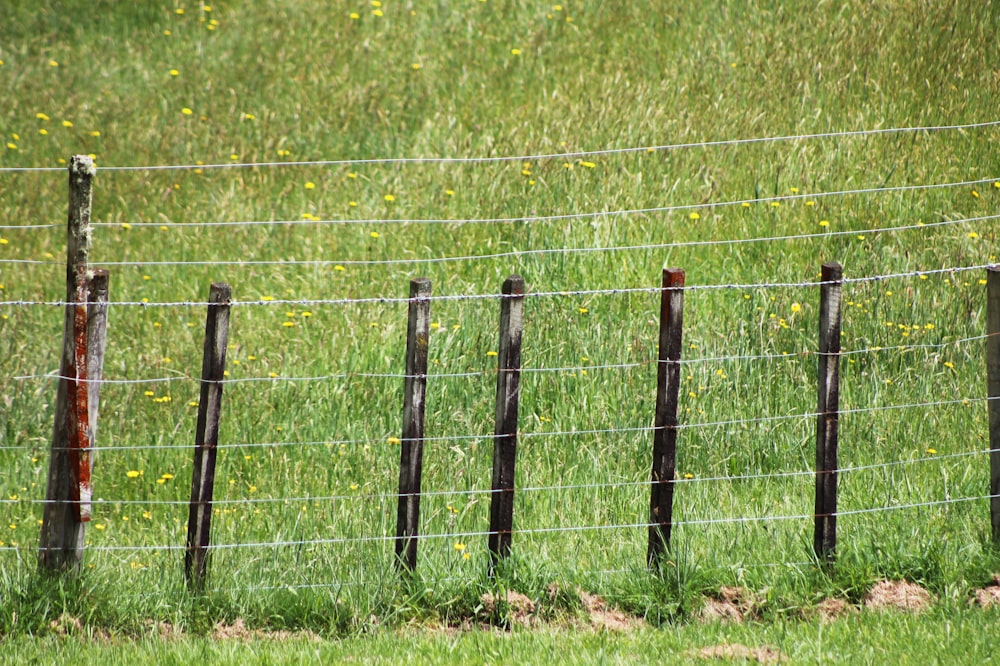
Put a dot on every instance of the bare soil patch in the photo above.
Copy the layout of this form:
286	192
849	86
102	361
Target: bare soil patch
731	604
898	595
603	617
989	596
519	608
763	655
238	631
831	609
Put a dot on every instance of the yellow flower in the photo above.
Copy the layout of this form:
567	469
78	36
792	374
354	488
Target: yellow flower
694	216
174	72
67	123
824	223
186	111
355	16
288	324
390	198
53	63
973	235
179	11
310	185
374	234
167	476
459	547
43	131
41	116
95	133
931	451
338	267
378	12
588	165
99	526
416	65
491	353
796	307
515	51
133	473
394	440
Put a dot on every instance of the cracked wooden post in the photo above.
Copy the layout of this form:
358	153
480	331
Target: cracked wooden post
505	432
827	414
412	445
207	435
68	491
993	393
668	376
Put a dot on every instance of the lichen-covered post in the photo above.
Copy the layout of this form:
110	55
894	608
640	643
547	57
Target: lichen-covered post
68	493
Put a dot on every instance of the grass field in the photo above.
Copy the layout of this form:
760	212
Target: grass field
309	466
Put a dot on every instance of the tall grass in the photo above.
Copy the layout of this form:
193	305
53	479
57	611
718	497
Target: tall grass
307	476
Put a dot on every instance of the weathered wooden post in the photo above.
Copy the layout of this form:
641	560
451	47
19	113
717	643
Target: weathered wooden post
97	342
993	393
412	444
827	414
668	378
505	431
68	492
207	435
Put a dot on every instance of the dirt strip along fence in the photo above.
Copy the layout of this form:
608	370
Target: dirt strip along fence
68	495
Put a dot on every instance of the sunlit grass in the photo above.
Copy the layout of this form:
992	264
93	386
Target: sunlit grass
308	467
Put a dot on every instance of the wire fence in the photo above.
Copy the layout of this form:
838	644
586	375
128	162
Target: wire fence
387	441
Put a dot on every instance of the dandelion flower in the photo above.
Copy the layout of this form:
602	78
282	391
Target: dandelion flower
133	473
515	51
354	16
390	198
186	111
310	185
41	116
694	216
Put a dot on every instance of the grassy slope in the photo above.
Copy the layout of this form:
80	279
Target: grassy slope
307	79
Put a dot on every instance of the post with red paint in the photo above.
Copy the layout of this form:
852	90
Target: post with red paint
68	494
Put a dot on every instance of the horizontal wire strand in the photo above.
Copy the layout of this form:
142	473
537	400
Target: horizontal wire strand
533	158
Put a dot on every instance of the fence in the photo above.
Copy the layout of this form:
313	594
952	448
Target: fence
68	498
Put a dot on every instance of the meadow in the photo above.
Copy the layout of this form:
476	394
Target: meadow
318	156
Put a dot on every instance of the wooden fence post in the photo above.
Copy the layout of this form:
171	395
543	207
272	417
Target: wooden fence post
207	435
68	492
412	444
505	432
827	413
993	392
97	342
668	376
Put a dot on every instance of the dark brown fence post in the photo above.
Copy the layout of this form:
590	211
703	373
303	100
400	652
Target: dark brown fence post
505	432
68	492
993	392
827	413
207	434
668	375
412	446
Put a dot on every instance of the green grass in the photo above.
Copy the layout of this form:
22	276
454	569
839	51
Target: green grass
286	82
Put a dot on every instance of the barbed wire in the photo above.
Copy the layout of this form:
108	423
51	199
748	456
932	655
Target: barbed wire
525	158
